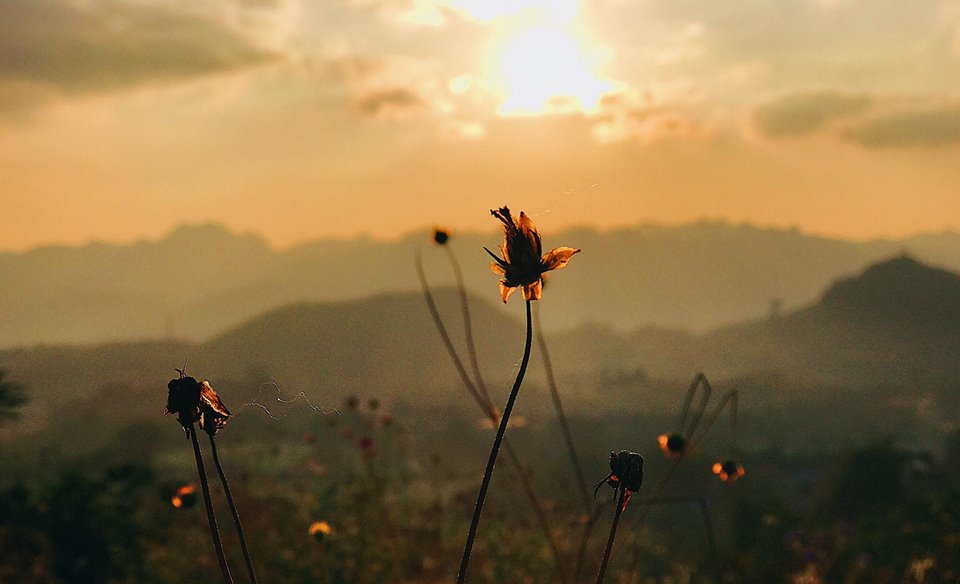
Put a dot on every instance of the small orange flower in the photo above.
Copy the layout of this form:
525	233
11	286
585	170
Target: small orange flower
524	263
672	445
728	470
319	530
185	497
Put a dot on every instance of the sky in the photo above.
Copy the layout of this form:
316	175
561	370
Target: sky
301	119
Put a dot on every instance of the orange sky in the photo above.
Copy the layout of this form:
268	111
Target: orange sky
309	119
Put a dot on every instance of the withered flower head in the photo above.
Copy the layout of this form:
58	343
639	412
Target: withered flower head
626	468
672	445
183	399
524	263
213	414
728	470
441	236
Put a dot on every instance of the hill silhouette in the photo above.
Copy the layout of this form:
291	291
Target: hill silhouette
200	280
898	322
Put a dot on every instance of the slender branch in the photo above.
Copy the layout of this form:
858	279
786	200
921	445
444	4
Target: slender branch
233	510
211	518
445	336
698	380
613	533
494	451
483	401
467	323
562	418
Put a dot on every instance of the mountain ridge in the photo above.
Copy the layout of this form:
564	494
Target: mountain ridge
202	279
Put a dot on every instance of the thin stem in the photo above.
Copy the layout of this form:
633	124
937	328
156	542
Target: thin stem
467	323
233	510
445	336
613	533
483	401
494	451
562	418
214	532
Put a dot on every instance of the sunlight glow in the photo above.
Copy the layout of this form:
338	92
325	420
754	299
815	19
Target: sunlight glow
548	70
551	11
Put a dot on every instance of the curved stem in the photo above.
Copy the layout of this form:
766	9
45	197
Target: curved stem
483	401
562	418
211	518
467	323
494	451
233	510
613	533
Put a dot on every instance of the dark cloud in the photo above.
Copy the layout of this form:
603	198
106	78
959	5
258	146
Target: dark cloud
803	113
928	127
396	102
106	45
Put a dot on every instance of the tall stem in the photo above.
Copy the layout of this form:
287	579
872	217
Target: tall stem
562	419
211	518
467	323
233	510
613	533
483	401
492	461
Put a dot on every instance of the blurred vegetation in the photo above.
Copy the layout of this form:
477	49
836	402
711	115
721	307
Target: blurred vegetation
394	482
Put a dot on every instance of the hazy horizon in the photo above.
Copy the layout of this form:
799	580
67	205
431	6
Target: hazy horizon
493	232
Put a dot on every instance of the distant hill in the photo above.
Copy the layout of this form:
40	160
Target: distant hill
202	279
897	323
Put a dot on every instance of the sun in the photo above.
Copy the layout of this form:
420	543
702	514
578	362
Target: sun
547	69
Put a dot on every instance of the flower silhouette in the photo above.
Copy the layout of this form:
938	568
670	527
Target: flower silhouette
524	263
728	470
213	414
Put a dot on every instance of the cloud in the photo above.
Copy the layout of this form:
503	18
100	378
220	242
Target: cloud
800	114
935	126
398	102
88	47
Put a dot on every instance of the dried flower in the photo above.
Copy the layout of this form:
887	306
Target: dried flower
672	445
728	470
524	263
441	236
319	530
627	468
213	414
183	399
185	497
626	472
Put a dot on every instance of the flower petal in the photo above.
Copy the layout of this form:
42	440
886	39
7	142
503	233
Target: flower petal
557	258
533	291
502	263
506	291
210	397
530	232
497	269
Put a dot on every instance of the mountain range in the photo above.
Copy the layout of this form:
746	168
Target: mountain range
896	324
202	279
